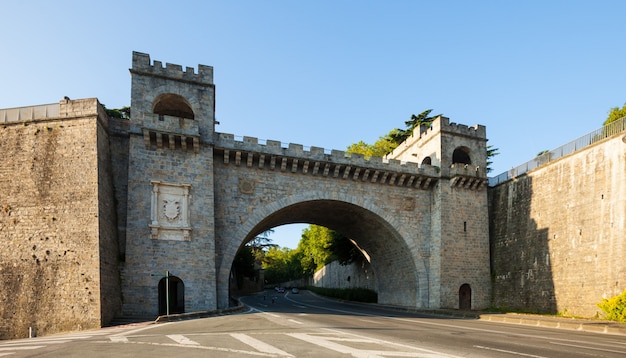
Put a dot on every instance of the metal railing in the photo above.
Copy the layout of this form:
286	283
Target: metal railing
609	130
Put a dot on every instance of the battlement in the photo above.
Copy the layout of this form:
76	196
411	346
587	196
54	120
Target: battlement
142	64
478	131
338	164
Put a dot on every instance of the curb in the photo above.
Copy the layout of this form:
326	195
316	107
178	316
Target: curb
558	323
198	314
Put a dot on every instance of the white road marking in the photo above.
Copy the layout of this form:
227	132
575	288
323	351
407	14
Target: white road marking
259	345
294	321
6	354
587	347
509	352
118	339
328	343
20	348
180	339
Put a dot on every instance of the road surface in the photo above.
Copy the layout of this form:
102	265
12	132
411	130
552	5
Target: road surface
306	325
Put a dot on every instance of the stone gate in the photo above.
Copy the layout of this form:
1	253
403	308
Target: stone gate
196	196
172	201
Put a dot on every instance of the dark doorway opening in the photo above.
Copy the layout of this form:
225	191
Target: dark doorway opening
176	295
465	297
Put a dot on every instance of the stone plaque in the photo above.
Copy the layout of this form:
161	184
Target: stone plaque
169	217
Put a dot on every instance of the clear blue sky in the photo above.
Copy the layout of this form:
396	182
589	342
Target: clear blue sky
324	73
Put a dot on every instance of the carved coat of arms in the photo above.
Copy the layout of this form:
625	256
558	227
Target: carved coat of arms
171	209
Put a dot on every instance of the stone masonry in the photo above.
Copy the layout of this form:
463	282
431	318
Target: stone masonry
97	213
558	232
58	258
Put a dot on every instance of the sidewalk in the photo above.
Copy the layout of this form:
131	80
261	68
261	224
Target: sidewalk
576	324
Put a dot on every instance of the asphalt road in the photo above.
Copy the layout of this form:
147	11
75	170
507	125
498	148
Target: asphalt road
305	325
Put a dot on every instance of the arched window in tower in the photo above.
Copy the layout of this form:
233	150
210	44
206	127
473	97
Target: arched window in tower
427	161
461	156
170	104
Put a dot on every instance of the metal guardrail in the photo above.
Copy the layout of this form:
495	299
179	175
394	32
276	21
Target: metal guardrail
609	130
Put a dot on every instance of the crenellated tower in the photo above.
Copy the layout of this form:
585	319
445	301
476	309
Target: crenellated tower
170	210
459	251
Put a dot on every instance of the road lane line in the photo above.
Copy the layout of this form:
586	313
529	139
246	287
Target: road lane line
20	348
587	347
118	339
294	321
180	339
509	352
259	345
6	354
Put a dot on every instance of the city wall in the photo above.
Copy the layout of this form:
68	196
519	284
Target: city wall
558	239
56	242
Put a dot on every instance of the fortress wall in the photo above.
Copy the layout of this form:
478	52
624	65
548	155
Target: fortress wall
49	223
110	286
558	235
118	147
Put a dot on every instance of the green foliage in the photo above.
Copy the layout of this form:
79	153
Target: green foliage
491	152
615	113
122	113
243	264
250	257
282	264
387	143
348	294
315	248
614	307
421	119
542	152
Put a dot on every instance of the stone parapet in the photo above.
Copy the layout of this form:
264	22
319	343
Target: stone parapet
315	161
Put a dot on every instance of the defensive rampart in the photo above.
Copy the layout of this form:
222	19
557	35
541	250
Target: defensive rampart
558	238
57	223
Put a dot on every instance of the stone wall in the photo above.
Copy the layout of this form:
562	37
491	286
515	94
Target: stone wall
558	237
354	275
50	221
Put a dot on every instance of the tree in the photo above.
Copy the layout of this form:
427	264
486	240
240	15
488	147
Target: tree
122	113
260	244
615	113
491	152
314	248
282	264
243	265
421	119
387	143
251	256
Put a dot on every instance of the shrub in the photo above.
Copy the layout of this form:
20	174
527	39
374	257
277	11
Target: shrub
348	294
614	307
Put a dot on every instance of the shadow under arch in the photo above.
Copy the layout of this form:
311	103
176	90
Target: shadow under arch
402	277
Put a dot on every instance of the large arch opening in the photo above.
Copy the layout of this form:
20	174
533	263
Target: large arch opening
461	155
391	258
174	105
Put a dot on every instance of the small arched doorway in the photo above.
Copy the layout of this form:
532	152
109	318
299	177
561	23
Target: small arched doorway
176	295
465	297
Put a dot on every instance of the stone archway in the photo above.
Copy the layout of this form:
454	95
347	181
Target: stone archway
401	272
